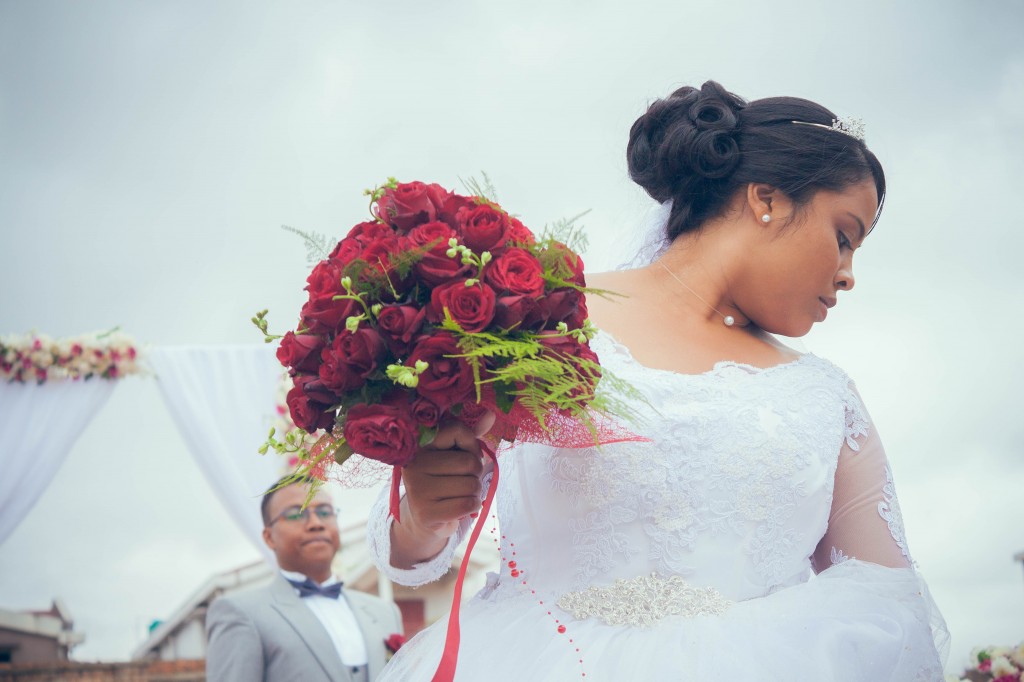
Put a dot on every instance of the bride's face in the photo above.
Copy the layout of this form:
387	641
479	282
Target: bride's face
801	267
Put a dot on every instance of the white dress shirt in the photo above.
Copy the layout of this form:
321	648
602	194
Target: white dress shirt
339	621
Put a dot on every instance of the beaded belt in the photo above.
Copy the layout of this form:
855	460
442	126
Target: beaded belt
644	600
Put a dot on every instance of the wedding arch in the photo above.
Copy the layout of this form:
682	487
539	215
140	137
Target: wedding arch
51	389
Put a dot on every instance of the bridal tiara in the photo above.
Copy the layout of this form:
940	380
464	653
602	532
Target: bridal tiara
854	127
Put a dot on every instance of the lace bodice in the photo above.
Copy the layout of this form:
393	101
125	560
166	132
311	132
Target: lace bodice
734	492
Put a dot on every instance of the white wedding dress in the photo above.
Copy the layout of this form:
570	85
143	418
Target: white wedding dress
755	537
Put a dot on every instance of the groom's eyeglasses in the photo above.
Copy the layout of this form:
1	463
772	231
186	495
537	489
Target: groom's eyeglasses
324	512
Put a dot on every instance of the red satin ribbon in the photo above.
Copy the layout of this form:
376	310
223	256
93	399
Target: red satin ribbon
396	499
450	655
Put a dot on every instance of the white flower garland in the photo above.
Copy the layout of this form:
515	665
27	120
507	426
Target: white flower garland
40	358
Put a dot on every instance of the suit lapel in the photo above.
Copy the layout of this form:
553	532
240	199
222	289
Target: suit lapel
309	629
373	635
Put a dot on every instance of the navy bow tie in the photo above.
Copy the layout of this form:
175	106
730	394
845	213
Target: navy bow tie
307	588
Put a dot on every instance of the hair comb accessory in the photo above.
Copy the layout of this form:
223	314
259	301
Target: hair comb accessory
854	127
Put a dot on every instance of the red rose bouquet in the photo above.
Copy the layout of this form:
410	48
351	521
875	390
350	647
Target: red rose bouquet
441	307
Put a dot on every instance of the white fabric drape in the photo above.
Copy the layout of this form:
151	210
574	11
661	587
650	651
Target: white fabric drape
39	423
222	399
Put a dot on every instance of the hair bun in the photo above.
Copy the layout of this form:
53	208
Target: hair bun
685	140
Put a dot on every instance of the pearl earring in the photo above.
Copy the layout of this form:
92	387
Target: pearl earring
766	218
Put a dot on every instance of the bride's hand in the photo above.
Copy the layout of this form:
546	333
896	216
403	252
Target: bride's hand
442	487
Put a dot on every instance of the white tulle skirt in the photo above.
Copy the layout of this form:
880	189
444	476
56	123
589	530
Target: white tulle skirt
855	622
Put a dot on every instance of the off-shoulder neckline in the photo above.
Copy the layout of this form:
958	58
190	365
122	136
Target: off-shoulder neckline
716	369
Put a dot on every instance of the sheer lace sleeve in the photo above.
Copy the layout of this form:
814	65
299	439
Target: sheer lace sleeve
378	539
865	522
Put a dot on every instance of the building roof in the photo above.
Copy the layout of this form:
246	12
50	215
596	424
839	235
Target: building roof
54	623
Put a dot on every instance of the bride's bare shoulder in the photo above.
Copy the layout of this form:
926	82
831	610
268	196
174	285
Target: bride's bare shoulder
613	294
624	282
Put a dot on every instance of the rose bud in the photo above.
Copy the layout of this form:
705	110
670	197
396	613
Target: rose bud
300	352
370	232
515	311
406	206
449	212
519	234
386	433
574	265
322	314
350	359
398	325
425	412
561	304
346	251
448	379
307	414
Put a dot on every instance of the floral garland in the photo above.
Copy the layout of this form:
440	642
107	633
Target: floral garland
39	358
995	663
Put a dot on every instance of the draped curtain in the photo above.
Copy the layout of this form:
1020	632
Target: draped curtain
222	399
39	424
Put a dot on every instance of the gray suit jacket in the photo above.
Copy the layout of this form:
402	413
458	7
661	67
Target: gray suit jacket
269	634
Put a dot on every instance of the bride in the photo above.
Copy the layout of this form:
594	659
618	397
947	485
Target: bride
756	535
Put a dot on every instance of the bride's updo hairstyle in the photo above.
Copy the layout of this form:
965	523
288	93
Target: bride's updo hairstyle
699	147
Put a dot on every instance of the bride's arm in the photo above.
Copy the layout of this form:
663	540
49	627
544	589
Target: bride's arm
442	487
865	521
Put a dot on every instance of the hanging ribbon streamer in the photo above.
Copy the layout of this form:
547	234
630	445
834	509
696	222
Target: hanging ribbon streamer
450	655
396	498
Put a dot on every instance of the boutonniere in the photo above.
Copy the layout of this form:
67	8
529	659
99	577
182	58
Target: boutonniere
393	643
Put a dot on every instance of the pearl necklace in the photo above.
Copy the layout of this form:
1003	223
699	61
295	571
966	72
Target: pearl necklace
729	320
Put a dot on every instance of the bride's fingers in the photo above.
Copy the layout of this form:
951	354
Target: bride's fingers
454	436
485	424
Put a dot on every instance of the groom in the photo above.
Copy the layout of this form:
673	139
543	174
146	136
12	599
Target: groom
303	625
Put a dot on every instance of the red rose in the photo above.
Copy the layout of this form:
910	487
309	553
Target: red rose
346	251
407	205
307	414
574	264
378	252
434	266
398	325
321	313
516	311
350	359
300	352
483	228
314	389
449	211
519	234
563	305
386	433
447	380
471	306
516	271
425	412
394	642
471	413
369	232
434	234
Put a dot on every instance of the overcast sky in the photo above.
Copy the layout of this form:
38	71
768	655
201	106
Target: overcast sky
150	151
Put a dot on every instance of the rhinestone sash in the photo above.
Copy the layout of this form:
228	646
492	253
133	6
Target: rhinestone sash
644	600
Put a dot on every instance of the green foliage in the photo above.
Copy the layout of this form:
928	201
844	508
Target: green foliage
318	246
484	190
